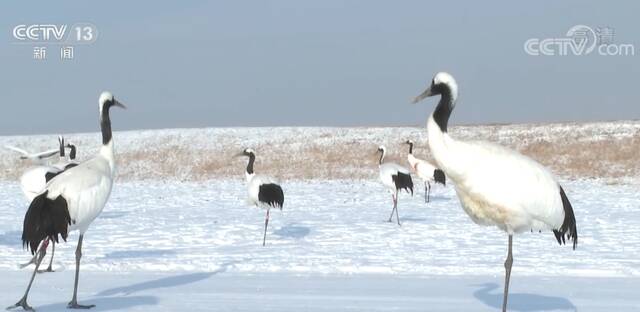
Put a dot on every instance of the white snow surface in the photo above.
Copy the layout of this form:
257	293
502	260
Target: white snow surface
331	227
196	246
222	291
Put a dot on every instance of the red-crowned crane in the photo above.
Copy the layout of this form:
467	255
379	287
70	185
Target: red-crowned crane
264	192
496	185
395	178
71	201
426	171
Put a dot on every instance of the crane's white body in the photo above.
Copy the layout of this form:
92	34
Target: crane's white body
62	165
387	171
422	168
33	180
498	186
86	187
253	186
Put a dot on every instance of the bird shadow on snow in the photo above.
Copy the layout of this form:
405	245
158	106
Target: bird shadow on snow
165	282
522	302
123	254
292	231
11	238
433	198
413	219
113	214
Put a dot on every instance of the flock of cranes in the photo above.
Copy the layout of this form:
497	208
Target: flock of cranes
495	186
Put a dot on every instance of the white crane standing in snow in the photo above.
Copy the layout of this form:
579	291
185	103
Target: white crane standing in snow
426	171
71	201
395	178
495	185
35	179
263	190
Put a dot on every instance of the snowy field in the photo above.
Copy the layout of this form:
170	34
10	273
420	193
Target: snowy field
177	234
170	246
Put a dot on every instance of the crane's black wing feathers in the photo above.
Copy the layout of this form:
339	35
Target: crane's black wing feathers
403	182
439	177
45	218
271	194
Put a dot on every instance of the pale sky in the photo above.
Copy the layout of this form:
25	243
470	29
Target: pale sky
312	63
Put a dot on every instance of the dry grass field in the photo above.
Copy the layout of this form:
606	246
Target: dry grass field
609	150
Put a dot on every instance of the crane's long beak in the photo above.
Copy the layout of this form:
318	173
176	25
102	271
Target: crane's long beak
117	103
238	155
422	96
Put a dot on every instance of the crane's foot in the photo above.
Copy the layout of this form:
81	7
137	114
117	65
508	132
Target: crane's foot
75	305
22	303
47	270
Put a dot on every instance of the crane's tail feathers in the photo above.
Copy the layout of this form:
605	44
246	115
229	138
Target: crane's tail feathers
439	177
568	231
403	182
45	218
271	194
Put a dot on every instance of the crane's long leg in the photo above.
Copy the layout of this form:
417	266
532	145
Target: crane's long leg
395	205
53	251
427	191
393	196
266	223
73	304
507	266
40	255
426	196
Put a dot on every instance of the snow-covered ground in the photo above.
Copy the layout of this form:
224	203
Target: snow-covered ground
168	245
177	234
221	291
